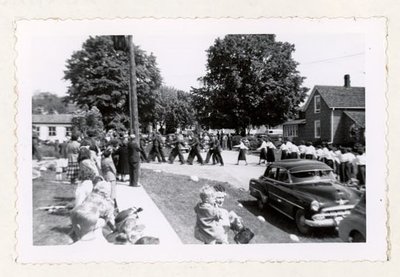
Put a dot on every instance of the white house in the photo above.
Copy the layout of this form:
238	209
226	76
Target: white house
52	127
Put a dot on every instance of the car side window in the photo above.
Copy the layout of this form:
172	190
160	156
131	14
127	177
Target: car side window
283	175
271	173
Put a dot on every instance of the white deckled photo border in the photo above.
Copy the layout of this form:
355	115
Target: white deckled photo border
375	249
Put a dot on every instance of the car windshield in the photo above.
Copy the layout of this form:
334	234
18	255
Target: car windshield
312	175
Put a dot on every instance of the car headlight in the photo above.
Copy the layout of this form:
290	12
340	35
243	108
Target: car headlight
314	206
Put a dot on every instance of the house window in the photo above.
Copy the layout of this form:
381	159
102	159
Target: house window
317	129
290	131
52	131
36	129
68	131
317	104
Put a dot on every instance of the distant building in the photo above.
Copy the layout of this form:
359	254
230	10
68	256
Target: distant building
333	114
52	127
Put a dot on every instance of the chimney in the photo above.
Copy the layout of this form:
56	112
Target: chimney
347	81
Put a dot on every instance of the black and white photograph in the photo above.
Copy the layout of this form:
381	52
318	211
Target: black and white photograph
192	137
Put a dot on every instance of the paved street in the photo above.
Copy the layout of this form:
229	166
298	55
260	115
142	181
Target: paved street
236	175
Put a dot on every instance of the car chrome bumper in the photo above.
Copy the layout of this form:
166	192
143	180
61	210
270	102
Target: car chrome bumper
328	222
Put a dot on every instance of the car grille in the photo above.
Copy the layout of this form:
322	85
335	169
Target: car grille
333	212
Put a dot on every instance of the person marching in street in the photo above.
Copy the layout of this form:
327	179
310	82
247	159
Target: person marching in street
217	152
142	143
346	165
134	161
270	151
160	147
310	151
360	162
195	150
176	150
224	141
294	151
242	151
289	146
229	142
325	152
302	149
319	153
155	149
211	153
330	157
338	156
263	151
284	151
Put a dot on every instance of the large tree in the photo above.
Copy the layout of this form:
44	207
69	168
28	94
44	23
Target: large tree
99	76
174	109
250	80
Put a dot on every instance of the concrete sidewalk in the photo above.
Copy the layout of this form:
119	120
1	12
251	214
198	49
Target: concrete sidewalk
155	222
236	175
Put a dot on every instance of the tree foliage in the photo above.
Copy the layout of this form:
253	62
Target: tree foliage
99	76
250	80
87	122
49	103
174	109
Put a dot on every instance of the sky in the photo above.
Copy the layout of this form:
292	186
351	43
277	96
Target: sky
323	58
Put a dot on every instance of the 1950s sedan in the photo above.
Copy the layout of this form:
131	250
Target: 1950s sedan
305	191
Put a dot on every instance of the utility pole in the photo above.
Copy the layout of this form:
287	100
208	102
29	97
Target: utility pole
133	104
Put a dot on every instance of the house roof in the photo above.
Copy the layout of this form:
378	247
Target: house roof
52	118
357	116
295	122
339	96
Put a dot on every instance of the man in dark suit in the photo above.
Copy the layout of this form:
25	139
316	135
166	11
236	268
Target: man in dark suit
194	150
176	151
142	143
134	161
217	152
155	149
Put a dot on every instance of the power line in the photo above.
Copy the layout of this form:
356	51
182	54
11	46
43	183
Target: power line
335	58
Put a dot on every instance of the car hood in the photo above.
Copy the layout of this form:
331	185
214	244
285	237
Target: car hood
328	192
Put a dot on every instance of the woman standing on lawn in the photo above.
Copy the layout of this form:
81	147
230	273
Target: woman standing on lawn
72	150
242	151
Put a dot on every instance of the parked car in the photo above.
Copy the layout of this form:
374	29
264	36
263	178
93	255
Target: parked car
353	227
305	191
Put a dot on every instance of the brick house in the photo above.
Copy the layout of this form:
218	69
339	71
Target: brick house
52	127
333	114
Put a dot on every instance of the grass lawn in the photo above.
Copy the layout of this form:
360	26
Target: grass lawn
176	197
50	229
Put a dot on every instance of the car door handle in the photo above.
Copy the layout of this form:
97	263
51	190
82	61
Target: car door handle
279	200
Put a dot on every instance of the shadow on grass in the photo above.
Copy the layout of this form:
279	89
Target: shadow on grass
66	230
284	223
64	199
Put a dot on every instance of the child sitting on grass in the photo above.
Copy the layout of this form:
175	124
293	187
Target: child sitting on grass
97	204
87	226
207	228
